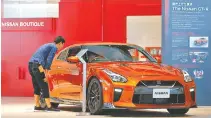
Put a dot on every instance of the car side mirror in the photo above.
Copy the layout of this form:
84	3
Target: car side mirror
158	59
73	59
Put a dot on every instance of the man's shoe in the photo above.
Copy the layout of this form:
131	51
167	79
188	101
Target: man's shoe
38	108
52	109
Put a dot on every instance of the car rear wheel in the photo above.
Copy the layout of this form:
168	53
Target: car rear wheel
95	97
178	111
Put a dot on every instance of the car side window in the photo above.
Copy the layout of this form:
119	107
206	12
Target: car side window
73	51
137	56
63	55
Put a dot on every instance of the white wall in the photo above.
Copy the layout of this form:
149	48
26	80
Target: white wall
144	31
31	9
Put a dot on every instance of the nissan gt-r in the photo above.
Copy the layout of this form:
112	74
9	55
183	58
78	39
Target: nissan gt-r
118	79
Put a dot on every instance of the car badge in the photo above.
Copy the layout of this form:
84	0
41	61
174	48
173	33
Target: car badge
158	82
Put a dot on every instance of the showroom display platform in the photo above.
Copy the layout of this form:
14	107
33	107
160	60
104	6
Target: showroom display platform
22	107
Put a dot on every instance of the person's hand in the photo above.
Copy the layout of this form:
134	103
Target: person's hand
46	80
47	73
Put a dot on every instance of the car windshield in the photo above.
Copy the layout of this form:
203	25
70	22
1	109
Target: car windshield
106	53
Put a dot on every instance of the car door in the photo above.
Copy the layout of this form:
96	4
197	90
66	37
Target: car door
69	76
55	74
53	81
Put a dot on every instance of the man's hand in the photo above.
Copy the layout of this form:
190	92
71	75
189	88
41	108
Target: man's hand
46	80
47	73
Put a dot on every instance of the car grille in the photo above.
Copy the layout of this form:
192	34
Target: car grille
157	83
143	93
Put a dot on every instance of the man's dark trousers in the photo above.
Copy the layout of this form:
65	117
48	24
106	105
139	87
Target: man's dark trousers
38	77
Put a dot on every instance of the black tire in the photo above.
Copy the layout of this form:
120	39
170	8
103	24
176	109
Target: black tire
178	111
95	97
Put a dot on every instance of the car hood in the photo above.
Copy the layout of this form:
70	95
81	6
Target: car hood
132	69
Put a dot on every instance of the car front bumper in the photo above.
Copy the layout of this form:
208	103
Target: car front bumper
138	97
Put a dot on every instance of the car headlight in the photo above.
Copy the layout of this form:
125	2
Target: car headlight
115	77
187	77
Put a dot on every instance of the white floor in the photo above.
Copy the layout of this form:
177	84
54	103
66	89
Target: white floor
22	107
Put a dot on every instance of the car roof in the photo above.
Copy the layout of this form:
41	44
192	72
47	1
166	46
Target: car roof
96	43
90	44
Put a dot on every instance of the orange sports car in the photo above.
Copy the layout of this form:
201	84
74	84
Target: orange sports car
119	77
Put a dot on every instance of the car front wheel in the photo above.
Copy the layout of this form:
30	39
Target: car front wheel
95	97
178	111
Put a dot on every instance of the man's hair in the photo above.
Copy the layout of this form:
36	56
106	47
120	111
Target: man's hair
59	39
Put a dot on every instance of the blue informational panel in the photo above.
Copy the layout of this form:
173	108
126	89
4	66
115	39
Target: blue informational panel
187	41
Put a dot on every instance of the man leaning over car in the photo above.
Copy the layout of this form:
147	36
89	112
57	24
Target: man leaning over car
39	65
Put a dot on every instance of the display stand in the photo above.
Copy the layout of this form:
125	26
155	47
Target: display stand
80	55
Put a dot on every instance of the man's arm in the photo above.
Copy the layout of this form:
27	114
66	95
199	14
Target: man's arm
50	58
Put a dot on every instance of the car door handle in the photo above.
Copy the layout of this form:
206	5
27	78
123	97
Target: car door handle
58	67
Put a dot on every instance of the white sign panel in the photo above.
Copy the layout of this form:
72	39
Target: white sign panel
30	9
161	93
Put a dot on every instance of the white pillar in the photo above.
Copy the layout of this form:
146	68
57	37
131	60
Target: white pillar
79	55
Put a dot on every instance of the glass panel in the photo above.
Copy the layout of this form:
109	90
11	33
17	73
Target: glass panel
63	55
104	53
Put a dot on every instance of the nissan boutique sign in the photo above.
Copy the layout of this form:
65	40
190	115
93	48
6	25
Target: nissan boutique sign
41	24
22	24
186	41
